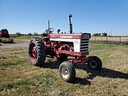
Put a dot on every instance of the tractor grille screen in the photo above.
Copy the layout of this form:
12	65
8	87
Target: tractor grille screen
84	45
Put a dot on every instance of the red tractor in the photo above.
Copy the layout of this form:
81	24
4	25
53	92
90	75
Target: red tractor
4	33
60	46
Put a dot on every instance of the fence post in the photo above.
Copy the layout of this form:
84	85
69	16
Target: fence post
120	39
95	38
106	38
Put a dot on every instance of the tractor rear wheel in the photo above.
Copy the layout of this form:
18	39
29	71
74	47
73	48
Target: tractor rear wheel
67	71
95	63
36	51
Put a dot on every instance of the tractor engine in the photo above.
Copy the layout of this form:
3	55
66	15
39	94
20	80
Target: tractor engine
67	44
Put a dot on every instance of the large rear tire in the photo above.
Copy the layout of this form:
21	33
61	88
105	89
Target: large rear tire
36	51
95	63
67	71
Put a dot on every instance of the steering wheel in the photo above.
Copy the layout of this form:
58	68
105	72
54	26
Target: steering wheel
51	29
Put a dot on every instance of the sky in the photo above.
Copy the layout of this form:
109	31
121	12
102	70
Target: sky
91	16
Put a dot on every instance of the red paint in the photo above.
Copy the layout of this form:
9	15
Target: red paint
33	52
4	33
57	48
73	35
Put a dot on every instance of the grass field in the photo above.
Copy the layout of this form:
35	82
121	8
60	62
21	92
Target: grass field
14	42
24	37
19	77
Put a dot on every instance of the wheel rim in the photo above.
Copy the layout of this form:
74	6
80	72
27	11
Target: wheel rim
33	52
93	64
65	73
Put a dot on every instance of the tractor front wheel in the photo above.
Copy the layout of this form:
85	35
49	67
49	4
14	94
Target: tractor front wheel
95	63
67	71
36	51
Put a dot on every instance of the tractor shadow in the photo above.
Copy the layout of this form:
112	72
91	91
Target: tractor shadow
56	64
52	65
104	72
82	81
9	42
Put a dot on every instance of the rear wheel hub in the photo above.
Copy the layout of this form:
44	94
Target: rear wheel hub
93	64
65	73
33	52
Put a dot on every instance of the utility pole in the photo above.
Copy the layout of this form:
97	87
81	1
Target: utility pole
111	32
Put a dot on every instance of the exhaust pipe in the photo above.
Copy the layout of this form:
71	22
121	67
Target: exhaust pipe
70	24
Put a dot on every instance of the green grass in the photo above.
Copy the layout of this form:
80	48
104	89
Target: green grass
19	52
47	81
2	57
126	86
44	82
11	57
24	37
102	45
19	77
17	84
13	63
14	42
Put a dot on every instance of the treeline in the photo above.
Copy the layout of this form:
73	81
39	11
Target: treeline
29	34
100	34
36	34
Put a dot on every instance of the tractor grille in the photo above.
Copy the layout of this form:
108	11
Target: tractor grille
84	45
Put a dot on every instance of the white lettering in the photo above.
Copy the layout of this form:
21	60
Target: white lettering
65	36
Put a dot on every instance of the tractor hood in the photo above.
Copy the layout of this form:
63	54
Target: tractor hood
71	36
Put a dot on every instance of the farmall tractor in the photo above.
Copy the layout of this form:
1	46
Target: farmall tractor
61	45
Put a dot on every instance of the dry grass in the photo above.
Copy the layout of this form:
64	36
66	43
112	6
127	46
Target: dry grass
24	37
14	42
19	77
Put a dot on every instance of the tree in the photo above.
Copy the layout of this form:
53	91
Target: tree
18	34
104	34
35	33
29	34
4	30
97	34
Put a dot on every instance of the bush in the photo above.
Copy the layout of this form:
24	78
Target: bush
29	34
104	34
35	33
97	34
18	34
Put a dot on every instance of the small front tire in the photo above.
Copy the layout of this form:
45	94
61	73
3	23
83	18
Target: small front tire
95	63
67	71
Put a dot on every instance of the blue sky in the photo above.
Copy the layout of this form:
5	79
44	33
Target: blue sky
91	16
